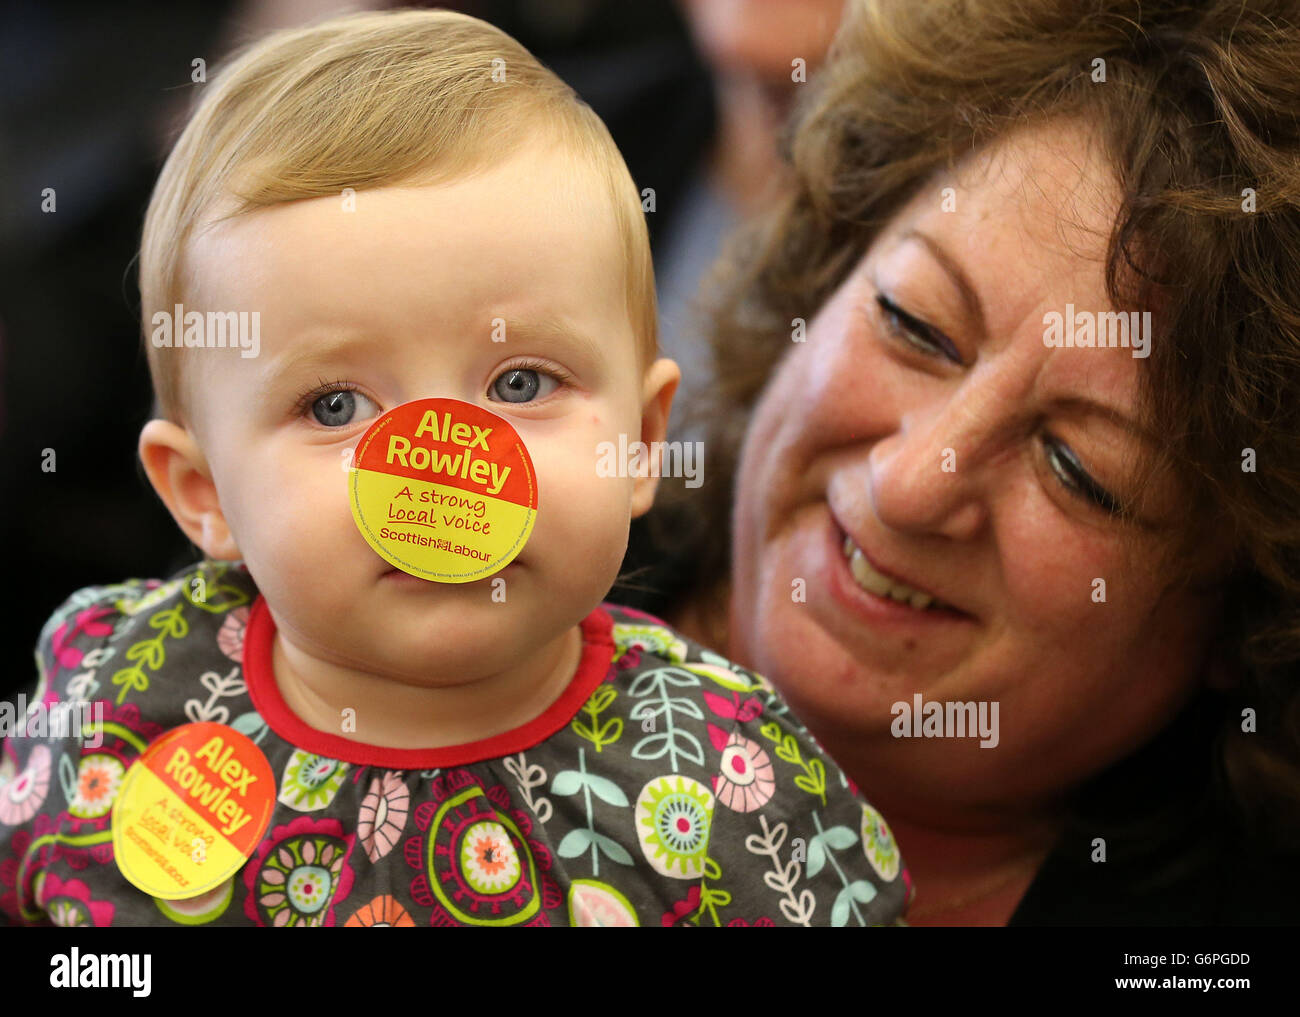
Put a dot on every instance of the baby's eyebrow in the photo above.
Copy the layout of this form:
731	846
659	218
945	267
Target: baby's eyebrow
324	352
545	331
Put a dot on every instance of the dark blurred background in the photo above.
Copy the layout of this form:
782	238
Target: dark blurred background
91	96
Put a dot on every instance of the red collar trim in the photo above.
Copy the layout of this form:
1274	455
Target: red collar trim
597	652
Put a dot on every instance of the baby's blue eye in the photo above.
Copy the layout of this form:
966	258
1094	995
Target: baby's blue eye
520	385
337	409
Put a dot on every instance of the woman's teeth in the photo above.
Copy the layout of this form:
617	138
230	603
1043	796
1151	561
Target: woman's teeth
881	585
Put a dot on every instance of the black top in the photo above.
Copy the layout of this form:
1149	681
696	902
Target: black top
1177	853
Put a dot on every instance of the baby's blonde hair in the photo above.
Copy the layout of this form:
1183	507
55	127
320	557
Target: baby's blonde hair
363	101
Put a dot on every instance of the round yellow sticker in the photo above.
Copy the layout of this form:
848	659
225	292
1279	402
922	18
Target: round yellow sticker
444	490
191	810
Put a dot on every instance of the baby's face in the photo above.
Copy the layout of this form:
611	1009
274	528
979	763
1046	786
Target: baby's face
363	310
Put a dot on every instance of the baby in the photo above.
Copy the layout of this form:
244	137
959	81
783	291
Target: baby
397	292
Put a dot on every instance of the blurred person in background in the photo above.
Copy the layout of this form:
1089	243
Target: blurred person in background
759	53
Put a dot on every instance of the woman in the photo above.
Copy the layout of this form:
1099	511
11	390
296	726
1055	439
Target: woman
946	494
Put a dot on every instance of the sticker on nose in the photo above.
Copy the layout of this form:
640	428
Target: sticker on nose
444	490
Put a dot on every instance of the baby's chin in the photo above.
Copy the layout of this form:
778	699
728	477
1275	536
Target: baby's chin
433	634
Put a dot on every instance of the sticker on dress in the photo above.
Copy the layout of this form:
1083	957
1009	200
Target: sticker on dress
191	810
443	490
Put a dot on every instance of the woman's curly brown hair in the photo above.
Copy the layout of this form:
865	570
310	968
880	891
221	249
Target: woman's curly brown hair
1197	103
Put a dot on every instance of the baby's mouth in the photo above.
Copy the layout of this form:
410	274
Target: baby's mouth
401	575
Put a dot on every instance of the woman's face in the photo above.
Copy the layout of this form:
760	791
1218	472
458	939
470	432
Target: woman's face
934	446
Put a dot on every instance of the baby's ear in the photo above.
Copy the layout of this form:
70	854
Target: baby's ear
657	391
179	473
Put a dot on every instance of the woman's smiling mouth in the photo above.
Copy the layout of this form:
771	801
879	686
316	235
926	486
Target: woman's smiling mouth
861	584
875	581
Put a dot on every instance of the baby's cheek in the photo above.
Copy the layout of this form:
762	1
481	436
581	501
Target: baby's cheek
295	520
587	520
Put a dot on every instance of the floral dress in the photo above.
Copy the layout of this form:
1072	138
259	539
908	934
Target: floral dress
666	786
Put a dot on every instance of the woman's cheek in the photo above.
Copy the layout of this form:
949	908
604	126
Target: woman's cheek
1056	574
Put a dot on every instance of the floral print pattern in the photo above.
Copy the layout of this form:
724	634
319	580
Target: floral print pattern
747	779
69	904
477	863
230	637
310	782
298	874
674	793
878	843
98	779
383	814
673	818
22	796
595	904
382	912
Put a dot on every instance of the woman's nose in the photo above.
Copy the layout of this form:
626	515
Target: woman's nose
936	474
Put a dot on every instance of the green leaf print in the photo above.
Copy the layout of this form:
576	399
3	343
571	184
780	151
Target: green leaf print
823	846
711	899
209	594
150	653
862	892
250	724
567	783
599	734
612	849
659	708
606	790
813	778
574	844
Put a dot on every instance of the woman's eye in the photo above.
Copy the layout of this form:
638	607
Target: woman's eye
1067	467
339	408
916	333
522	385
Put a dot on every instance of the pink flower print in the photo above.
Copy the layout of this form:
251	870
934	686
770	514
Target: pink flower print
87	621
299	873
69	904
383	815
682	909
230	637
22	797
747	779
